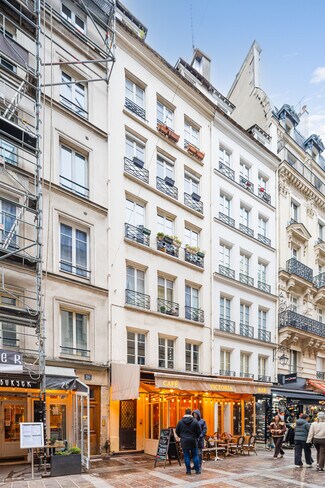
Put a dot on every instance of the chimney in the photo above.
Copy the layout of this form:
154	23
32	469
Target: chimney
201	62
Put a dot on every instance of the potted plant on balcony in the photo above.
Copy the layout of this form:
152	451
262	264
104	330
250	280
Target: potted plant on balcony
168	239
160	236
176	241
145	231
191	149
64	463
162	309
162	128
191	249
200	155
173	136
200	254
138	162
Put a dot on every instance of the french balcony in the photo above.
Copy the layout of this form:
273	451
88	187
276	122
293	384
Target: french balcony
244	374
70	185
245	183
135	168
226	219
289	318
227	171
225	271
264	239
264	335
226	372
79	270
166	245
194	202
139	234
247	330
264	286
136	109
196	258
263	195
319	280
167	307
247	280
137	299
227	325
193	150
195	314
246	230
75	351
299	269
320	375
265	379
167	186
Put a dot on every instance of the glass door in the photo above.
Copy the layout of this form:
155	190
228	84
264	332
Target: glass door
82	431
12	412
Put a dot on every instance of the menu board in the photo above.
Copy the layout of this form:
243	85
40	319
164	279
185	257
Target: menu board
167	447
31	435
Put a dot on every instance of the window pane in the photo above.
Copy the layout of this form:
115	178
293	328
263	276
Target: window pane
129	89
66	247
131	347
81	253
81	174
67	331
141	349
66	166
130	278
81	333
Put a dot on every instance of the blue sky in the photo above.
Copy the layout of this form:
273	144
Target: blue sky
291	34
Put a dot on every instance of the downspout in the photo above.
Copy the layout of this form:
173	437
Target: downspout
211	243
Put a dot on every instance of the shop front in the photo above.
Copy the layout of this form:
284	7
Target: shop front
296	401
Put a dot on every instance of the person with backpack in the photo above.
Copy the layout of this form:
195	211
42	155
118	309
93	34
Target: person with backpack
204	429
189	431
301	434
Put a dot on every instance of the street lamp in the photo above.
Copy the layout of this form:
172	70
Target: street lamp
283	359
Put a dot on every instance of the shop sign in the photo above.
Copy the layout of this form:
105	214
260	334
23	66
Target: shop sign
13	383
197	385
290	378
11	361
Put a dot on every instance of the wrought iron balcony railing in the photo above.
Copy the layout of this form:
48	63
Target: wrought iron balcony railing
320	375
194	258
227	325
247	280
226	170
172	191
225	271
75	351
246	230
226	219
289	318
247	330
243	374
137	234
195	314
296	267
319	280
167	247
264	335
191	202
226	372
70	185
137	299
245	183
264	239
264	286
79	270
266	379
264	196
132	169
136	109
167	307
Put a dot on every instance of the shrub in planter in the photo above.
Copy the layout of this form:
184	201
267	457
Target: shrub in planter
64	463
160	236
191	249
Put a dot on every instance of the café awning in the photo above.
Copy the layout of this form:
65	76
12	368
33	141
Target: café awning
320	385
125	381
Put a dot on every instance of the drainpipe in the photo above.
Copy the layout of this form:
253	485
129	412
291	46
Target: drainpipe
211	242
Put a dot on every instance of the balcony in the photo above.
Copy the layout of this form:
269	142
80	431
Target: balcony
139	234
167	187
264	239
195	314
246	230
79	270
289	318
243	374
246	330
70	185
227	325
225	271
75	351
136	109
264	196
227	171
296	267
320	375
226	219
264	335
226	372
319	280
137	299
168	307
245	183
134	168
165	244
196	258
247	280
193	201
264	286
265	379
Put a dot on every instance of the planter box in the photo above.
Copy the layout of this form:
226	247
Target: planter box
196	197
174	137
65	465
138	162
163	129
200	155
168	240
191	149
169	181
200	254
146	231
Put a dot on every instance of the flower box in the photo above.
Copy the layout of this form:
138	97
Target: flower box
200	254
168	240
200	155
173	136
163	129
146	231
191	149
196	197
64	465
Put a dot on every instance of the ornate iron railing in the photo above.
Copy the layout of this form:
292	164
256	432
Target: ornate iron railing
75	351
134	170
320	375
227	325
172	191
226	170
247	280
225	271
167	307
246	230
264	239
289	318
195	314
264	335
226	219
194	259
137	299
226	372
266	379
243	374
136	109
246	330
138	234
245	183
264	286
319	280
168	248
192	203
296	267
264	196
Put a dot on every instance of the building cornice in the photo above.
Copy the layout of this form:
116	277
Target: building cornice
78	284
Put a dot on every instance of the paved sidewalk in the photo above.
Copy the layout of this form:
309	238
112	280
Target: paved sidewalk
138	471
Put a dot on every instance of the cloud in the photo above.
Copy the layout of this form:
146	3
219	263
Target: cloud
318	75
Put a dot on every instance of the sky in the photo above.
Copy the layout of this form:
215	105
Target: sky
291	34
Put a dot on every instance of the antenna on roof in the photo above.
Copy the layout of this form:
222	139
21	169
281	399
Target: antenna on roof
191	20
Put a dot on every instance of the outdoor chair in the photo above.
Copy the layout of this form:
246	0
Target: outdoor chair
251	445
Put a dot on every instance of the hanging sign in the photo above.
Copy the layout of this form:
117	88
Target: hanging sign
11	361
167	447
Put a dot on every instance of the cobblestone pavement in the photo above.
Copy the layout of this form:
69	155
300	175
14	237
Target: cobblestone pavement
138	471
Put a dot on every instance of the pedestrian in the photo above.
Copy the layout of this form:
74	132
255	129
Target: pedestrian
316	436
277	430
204	429
189	431
300	437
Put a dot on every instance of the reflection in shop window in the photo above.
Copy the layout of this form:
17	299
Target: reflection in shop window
12	416
249	418
58	422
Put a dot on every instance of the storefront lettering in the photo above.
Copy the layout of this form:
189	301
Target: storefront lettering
221	387
16	383
170	384
9	357
260	389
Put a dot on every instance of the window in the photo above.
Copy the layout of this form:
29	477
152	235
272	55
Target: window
73	18
244	264
294	211
294	304
244	216
135	213
191	134
74	171
244	170
134	148
7	64
135	279
320	315
225	308
191	184
191	297
225	204
165	115
164	168
244	362
191	357
294	253
262	366
165	289
262	182
74	335
73	95
136	348
225	360
262	226
244	314
8	152
191	237
321	233
262	270
134	93
262	319
74	251
165	353
224	156
293	365
224	255
165	225
8	236
8	331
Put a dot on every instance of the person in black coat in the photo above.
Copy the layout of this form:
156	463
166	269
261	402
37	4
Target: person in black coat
189	431
204	429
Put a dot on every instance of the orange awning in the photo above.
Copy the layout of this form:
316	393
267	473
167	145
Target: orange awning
320	385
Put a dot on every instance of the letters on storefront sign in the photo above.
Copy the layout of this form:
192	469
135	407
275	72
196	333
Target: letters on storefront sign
221	387
260	389
170	384
17	383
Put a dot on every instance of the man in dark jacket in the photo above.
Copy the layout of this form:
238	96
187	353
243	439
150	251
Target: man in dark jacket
189	430
301	434
203	425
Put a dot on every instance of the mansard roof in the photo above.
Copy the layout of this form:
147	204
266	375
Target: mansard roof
288	111
316	141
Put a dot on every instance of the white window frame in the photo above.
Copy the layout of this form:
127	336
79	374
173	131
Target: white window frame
134	92
245	314
134	148
165	115
262	366
8	330
8	217
262	272
166	346
72	93
70	183
225	308
245	170
192	297
263	182
245	216
294	210
137	339
79	270
262	226
191	134
138	278
8	152
72	19
64	349
224	255
262	319
244	362
192	350
166	225
165	168
135	212
224	156
191	237
191	184
225	204
225	360
165	289
244	264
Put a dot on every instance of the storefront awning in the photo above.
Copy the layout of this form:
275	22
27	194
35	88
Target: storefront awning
125	381
299	395
320	385
193	383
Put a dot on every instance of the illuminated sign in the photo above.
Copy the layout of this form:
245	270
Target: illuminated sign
170	384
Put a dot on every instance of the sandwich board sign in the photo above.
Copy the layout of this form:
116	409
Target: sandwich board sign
167	447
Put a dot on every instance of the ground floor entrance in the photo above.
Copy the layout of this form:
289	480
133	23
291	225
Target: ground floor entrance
12	412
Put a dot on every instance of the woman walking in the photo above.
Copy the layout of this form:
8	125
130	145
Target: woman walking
316	436
277	430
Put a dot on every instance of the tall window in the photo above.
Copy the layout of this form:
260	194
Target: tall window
134	93
321	231
8	152
191	237
165	289
73	18
293	366
74	250
225	360
135	279
73	171
191	297
244	313
262	182
262	226
8	331
244	362
164	168
225	204
191	357
244	216
165	115
262	366
224	255
225	308
191	184
191	134
165	224
320	315
165	353
136	348
135	213
224	156
244	264
262	272
294	211
294	304
244	170
8	227
262	319
134	148
73	95
74	335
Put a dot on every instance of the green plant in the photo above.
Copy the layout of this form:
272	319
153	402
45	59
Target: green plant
74	450
191	249
160	235
62	453
177	240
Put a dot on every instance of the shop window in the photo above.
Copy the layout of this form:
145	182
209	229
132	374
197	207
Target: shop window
237	427
13	414
249	418
58	421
